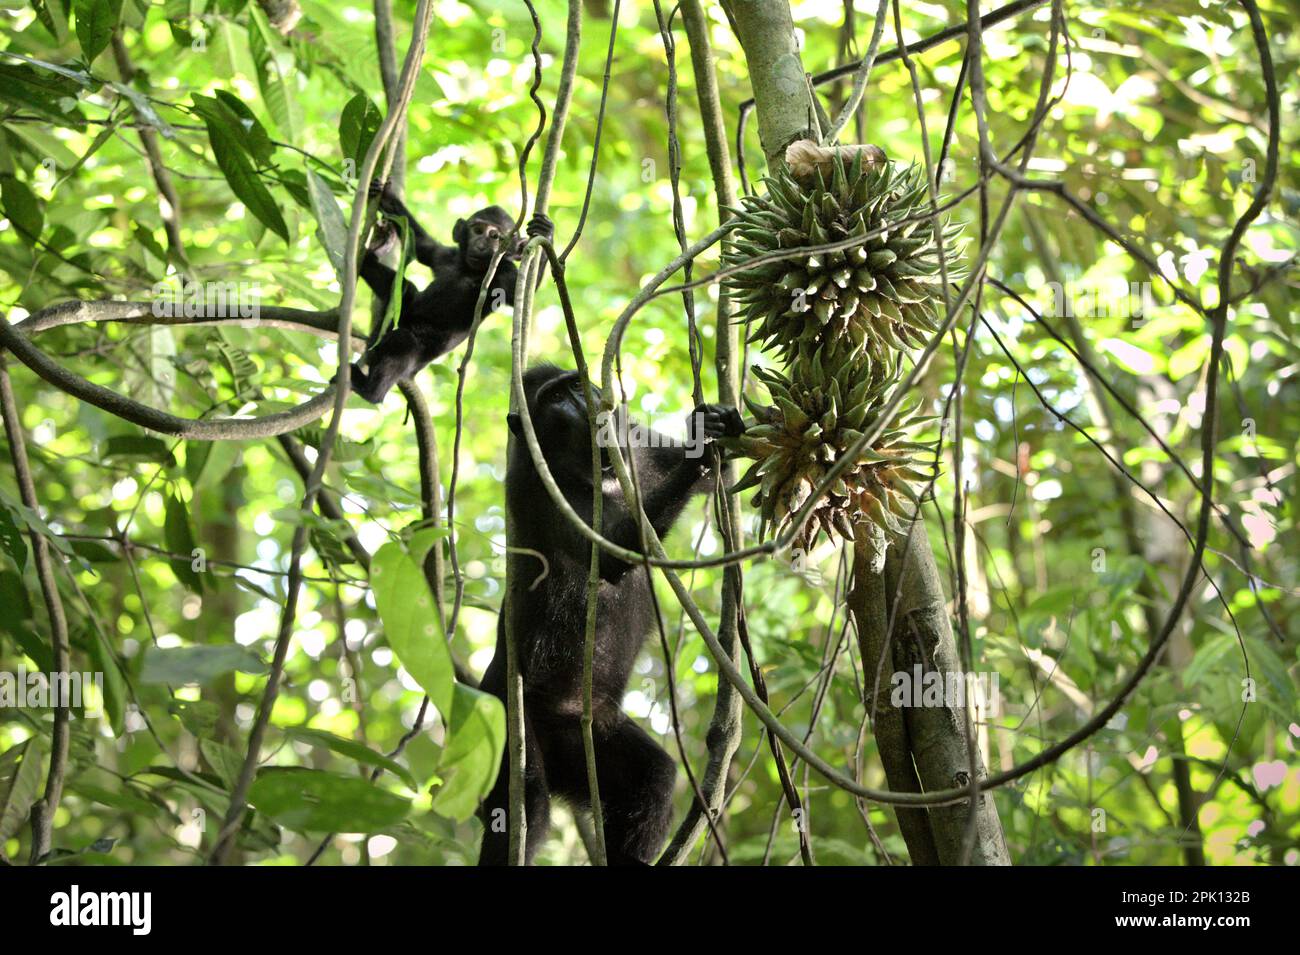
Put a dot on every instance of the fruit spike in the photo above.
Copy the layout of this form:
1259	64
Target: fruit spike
815	420
825	296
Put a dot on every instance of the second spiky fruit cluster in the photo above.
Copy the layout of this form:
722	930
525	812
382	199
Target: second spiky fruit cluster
814	422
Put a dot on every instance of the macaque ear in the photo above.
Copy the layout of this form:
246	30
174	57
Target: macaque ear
516	428
458	232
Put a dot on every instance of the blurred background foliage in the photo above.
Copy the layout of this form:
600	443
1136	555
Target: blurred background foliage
1162	129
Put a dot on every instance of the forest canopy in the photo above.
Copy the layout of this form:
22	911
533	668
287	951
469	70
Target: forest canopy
1021	423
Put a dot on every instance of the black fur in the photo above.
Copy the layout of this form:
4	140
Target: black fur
634	774
437	319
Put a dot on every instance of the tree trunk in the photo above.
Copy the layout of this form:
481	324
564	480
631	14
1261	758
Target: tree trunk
776	74
888	724
941	737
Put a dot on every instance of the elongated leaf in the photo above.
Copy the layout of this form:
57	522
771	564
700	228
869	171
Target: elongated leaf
20	781
30	644
225	761
410	623
357	128
254	137
229	147
180	541
53	14
1211	652
144	108
127	799
333	231
353	750
115	691
310	800
96	21
12	540
21	207
200	717
196	456
138	447
49	90
271	76
472	758
179	666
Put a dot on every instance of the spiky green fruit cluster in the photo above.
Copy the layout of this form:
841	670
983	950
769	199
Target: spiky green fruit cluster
816	420
882	294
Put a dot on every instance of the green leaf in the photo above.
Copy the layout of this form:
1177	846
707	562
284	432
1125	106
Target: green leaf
329	547
242	368
333	231
96	552
127	799
53	14
294	182
1210	653
225	761
96	21
231	144
271	78
1190	358
115	691
411	624
13	597
216	464
32	645
196	456
144	108
51	91
179	666
22	208
311	800
1265	662
11	539
353	750
138	447
20	781
145	239
472	757
180	541
358	125
255	139
422	542
67	172
200	717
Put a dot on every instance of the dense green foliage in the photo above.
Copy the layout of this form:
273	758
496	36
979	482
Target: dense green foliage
1161	129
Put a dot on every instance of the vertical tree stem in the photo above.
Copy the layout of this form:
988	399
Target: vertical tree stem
938	734
723	738
524	287
868	605
43	809
785	110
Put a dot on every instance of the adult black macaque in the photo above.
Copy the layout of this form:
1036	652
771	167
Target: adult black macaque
437	319
634	774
